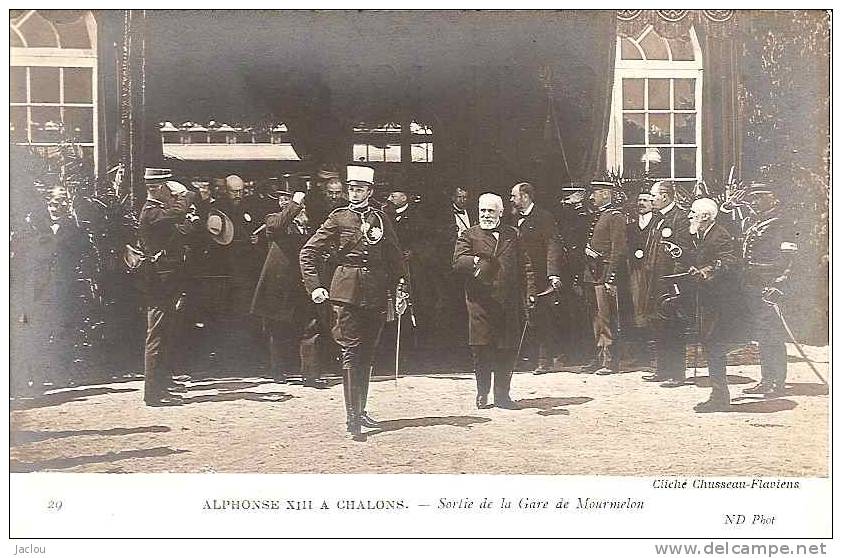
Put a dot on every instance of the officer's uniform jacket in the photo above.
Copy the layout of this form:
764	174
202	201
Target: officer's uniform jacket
163	230
366	270
607	237
768	250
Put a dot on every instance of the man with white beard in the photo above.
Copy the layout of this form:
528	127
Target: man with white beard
492	259
713	262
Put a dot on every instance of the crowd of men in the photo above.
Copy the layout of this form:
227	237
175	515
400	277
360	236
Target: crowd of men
322	270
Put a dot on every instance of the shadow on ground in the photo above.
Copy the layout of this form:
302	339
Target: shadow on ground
761	406
809	390
59	398
20	437
421	422
68	462
551	406
704	381
270	397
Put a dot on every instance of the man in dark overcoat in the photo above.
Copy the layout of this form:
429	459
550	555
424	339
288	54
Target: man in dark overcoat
540	239
491	258
713	268
362	242
163	229
667	249
280	298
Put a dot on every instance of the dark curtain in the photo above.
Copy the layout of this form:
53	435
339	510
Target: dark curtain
475	76
721	130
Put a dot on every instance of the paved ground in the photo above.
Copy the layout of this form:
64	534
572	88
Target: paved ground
569	423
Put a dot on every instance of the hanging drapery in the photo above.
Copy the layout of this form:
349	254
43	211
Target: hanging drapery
672	24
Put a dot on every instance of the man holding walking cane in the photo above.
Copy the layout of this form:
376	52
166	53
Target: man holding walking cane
491	258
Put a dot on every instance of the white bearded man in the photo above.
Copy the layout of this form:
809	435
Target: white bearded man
492	260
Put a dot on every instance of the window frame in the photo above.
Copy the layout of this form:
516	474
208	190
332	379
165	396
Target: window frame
57	57
655	69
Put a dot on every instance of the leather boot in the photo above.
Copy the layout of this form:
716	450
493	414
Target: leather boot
363	380
483	387
350	396
502	383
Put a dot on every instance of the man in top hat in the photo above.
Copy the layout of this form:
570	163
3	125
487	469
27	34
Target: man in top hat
539	235
364	246
164	224
492	260
606	265
667	249
769	250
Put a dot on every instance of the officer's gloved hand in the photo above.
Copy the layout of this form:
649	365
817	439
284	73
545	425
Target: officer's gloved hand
319	295
298	197
555	281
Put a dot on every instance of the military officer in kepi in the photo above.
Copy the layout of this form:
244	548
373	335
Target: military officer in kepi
769	251
364	247
606	256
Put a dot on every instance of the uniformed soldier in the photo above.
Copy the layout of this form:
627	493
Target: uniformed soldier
769	251
364	246
164	224
606	257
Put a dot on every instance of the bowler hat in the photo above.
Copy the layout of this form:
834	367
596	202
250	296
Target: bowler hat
275	188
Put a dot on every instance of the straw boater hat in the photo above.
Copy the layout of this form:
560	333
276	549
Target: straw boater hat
220	227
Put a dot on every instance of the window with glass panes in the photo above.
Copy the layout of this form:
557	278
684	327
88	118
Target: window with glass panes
655	126
52	81
389	143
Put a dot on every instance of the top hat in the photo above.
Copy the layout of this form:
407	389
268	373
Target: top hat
220	227
360	175
156	175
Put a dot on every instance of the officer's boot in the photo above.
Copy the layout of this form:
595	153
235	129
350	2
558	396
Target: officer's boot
364	378
350	400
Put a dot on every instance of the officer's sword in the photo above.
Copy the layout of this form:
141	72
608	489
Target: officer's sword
798	346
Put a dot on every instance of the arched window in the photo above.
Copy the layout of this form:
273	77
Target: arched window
655	127
53	76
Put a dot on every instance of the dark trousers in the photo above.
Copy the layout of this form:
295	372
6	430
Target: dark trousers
157	357
357	332
283	339
771	339
716	354
544	321
670	349
490	361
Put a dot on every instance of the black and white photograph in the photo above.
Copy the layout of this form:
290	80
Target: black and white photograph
432	250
